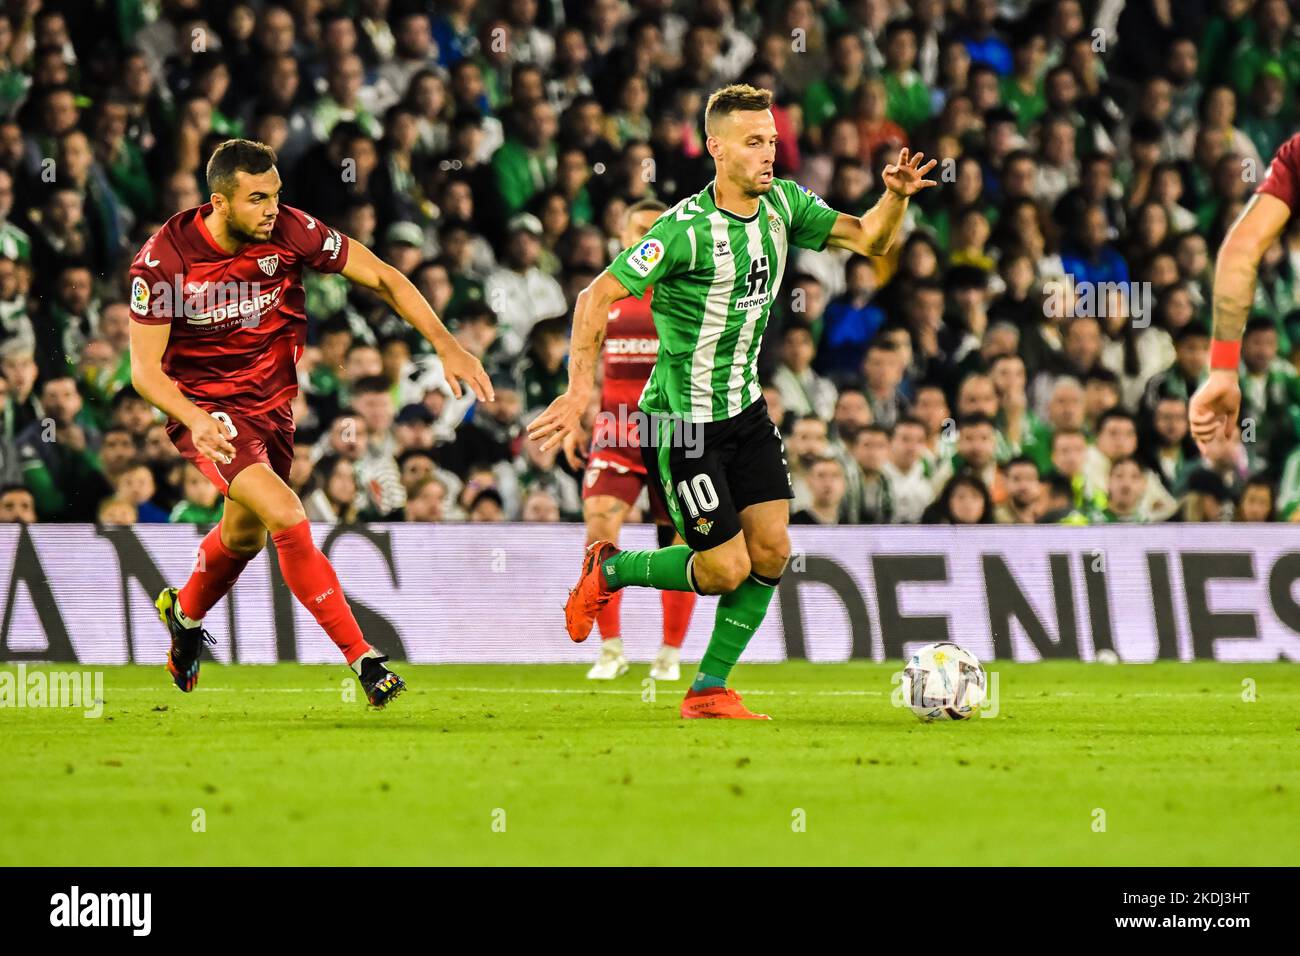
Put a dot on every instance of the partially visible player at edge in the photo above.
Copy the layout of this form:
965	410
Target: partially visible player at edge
715	260
1216	405
219	359
615	473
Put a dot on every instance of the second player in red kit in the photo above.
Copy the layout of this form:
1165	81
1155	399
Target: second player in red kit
615	473
219	325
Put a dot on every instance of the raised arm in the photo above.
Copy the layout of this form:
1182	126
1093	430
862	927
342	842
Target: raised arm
1258	227
1217	402
874	232
148	343
590	318
367	270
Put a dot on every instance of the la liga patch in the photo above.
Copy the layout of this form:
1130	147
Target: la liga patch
817	199
139	296
646	256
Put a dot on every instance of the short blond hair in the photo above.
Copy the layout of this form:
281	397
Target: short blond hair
735	98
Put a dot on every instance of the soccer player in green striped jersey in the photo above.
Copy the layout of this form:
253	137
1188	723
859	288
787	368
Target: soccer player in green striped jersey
715	262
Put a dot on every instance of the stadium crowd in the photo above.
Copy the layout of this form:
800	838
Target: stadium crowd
1024	354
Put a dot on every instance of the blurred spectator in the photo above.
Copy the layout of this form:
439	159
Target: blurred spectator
426	500
135	484
487	506
906	471
870	496
1256	500
518	291
802	390
1125	489
116	511
1024	501
59	457
826	487
334	497
200	502
17	505
963	500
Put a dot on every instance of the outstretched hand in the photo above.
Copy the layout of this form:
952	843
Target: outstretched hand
459	364
562	417
907	177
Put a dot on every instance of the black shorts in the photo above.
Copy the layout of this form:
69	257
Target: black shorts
706	473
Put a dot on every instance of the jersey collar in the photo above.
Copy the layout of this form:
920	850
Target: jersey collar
207	236
727	213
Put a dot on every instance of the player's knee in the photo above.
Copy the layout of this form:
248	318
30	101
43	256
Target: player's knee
769	557
283	517
245	542
724	573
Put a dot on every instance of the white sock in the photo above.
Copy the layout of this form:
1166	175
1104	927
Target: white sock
185	621
356	665
615	644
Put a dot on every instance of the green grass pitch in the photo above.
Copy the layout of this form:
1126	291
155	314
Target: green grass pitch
1084	764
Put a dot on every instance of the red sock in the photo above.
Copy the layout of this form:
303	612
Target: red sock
678	606
609	619
214	574
312	580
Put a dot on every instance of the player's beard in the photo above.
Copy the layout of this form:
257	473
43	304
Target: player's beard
236	232
757	187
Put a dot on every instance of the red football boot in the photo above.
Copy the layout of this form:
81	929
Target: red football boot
590	594
717	702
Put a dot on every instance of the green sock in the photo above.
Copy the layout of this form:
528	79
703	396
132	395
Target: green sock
704	681
739	614
664	569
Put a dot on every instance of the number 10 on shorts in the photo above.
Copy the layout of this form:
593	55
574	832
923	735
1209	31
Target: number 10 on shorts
698	494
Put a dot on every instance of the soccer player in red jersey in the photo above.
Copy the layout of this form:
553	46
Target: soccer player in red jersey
219	325
1216	405
615	471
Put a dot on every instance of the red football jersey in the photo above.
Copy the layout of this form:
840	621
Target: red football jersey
631	344
238	321
1283	178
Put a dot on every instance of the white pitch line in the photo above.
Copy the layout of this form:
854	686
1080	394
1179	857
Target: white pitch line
489	690
162	691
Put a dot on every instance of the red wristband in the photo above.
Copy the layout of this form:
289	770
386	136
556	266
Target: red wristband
1225	354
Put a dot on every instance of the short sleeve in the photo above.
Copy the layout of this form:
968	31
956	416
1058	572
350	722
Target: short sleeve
315	245
811	220
1283	178
151	294
661	253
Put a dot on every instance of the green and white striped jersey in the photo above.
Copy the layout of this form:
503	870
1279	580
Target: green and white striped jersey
715	275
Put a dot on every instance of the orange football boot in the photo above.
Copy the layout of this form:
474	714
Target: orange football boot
717	702
590	594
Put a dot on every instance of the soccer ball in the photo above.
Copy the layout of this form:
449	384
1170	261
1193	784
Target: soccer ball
943	682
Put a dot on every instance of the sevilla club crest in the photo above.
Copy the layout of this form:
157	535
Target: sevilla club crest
269	264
